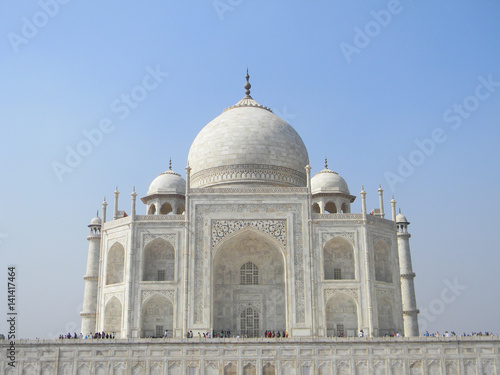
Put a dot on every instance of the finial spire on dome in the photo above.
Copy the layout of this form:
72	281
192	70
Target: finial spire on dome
97	214
170	164
247	86
326	163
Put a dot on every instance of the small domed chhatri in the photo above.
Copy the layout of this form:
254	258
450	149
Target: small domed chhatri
95	221
168	182
328	181
166	194
248	144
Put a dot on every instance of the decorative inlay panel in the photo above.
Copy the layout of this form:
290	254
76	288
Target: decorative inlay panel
327	236
118	295
121	240
381	293
248	172
275	228
170	294
377	237
352	292
170	237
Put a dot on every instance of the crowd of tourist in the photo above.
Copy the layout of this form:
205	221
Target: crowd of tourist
453	334
97	335
267	334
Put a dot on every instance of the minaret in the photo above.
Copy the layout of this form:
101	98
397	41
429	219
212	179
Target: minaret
409	301
117	193
393	209
381	201
363	201
88	313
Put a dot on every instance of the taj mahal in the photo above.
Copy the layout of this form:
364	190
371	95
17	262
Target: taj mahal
248	243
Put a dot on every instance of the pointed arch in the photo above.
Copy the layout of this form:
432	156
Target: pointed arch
138	369
315	208
230	369
338	260
383	262
331	207
29	370
249	274
166	208
268	369
341	315
152	209
157	315
115	264
385	308
345	208
113	317
158	261
49	370
230	296
249	369
250	322
101	370
181	209
84	369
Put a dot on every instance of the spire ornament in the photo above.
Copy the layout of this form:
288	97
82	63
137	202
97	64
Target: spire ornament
247	86
326	163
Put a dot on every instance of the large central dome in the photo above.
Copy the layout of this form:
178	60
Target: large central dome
248	144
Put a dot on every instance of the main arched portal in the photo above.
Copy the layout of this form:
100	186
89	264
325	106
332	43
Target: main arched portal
249	285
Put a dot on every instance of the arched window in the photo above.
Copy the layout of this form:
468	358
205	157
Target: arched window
159	261
152	210
338	260
249	274
341	316
113	317
157	316
180	209
165	209
249	320
383	265
385	316
315	208
344	208
331	208
115	264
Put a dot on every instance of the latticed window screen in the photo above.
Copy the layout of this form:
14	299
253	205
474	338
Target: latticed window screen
161	275
337	274
249	322
340	330
249	274
159	331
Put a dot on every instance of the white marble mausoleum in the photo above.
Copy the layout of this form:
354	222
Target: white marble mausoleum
249	242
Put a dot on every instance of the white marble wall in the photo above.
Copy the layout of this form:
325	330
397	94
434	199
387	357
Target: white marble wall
432	356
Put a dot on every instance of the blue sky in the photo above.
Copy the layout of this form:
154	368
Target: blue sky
363	83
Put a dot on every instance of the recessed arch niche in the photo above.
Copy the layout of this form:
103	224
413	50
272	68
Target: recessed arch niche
266	297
